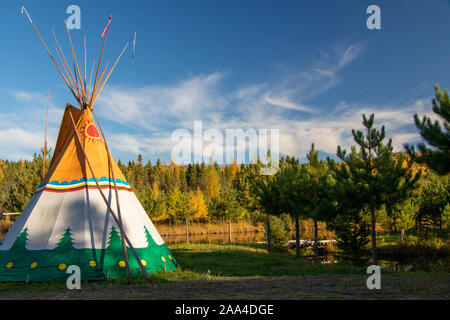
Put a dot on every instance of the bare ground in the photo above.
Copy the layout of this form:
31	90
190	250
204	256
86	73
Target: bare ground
426	286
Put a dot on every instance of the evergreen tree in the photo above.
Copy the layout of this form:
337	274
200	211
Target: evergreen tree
434	198
226	206
268	197
348	208
292	183
353	236
381	177
437	154
318	193
406	213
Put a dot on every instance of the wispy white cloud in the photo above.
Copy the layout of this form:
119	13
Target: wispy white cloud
154	107
158	110
148	115
287	104
22	132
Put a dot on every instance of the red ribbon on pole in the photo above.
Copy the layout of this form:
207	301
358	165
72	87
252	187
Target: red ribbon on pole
105	32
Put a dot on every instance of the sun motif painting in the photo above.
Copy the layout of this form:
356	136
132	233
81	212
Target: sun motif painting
90	133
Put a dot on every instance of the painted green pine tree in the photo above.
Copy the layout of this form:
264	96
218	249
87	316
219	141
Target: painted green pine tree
150	241
66	241
21	241
114	241
437	154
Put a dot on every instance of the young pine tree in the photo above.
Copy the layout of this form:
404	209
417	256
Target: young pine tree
382	177
292	183
437	154
318	193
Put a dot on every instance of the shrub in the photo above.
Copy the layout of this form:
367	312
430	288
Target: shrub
279	232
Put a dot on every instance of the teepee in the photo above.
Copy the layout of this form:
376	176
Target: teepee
84	212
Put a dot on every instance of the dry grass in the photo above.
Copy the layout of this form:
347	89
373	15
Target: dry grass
197	228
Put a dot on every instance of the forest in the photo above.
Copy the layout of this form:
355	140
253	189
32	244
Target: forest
370	188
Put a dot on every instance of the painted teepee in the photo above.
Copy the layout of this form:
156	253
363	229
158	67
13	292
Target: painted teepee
84	212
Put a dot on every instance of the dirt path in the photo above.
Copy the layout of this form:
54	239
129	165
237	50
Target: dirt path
306	287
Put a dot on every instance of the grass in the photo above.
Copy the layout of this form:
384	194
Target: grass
210	271
249	260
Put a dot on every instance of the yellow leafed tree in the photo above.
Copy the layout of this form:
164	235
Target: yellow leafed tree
212	183
197	208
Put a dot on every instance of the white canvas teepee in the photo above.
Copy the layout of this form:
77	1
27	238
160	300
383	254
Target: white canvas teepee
84	212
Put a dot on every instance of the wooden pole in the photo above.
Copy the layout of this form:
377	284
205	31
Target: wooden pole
45	135
98	67
64	69
146	275
90	79
100	79
67	64
109	74
51	56
229	231
187	230
85	62
125	253
77	71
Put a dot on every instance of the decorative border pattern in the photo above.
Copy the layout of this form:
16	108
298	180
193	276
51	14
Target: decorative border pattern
74	185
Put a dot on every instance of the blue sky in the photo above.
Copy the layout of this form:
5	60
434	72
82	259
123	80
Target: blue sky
307	68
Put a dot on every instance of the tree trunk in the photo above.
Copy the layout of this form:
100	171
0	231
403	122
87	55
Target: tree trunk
297	238
316	248
403	236
374	237
269	240
229	231
187	230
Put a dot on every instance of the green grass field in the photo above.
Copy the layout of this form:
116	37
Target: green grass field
246	272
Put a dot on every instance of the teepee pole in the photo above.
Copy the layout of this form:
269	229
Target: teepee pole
109	74
146	275
101	78
96	74
90	79
77	71
51	56
65	70
117	198
45	135
67	64
85	62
